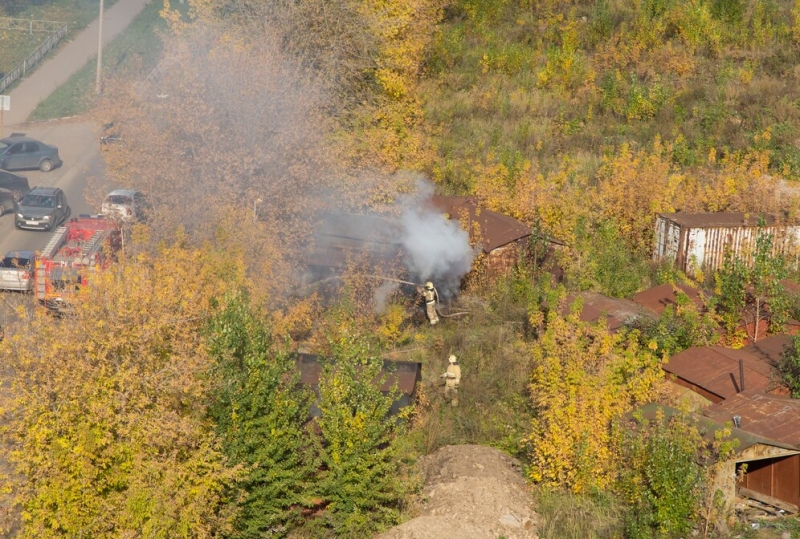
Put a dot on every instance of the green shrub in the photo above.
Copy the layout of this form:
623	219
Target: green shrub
679	327
662	481
260	413
789	367
608	264
360	481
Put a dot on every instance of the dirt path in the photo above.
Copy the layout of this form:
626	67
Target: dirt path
54	72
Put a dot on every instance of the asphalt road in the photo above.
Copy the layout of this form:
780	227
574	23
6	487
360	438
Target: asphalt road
79	149
81	177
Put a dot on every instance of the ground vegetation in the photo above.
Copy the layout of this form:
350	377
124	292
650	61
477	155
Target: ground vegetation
168	402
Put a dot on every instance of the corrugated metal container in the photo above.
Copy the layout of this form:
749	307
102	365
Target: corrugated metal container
699	240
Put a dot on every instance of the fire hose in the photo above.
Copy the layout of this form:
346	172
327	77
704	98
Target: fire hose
381	277
453	315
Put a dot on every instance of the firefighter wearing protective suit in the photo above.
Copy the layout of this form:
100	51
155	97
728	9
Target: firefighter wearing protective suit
452	379
431	299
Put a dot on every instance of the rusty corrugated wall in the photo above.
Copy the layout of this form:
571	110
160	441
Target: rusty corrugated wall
699	241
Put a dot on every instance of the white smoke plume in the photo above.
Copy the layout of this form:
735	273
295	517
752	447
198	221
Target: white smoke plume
432	247
436	249
382	295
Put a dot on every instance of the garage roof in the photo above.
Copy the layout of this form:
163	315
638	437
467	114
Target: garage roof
496	229
657	299
770	416
716	369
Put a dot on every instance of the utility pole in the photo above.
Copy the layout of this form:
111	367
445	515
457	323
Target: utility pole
5	104
98	83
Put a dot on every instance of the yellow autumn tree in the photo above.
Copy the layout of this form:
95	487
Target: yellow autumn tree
584	378
632	186
556	201
106	433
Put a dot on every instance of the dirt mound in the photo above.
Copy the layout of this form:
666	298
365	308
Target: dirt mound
470	492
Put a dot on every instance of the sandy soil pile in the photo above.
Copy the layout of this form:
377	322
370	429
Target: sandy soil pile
470	492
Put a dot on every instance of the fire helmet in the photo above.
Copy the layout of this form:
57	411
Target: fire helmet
429	285
452	358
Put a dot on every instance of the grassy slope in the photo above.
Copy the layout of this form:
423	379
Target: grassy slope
538	81
16	46
133	54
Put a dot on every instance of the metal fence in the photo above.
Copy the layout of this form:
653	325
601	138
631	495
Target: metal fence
27	64
29	25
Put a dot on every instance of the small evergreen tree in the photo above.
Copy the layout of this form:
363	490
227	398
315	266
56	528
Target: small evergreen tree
360	480
260	412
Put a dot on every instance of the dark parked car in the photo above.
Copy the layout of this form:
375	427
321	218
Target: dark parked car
19	152
16	271
7	201
43	208
16	184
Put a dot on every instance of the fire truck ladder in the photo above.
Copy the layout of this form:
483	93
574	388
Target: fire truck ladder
93	243
48	252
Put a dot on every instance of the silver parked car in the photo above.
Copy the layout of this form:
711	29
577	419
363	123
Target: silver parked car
127	205
16	271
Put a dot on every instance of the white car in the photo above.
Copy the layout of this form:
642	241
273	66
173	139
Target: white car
16	271
126	205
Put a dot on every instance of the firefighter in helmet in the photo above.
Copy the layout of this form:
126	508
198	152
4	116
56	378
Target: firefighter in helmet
431	299
452	380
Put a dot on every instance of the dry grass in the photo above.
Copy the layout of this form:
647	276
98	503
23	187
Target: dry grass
484	93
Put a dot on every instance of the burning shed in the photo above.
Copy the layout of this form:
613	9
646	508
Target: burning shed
502	239
693	241
345	238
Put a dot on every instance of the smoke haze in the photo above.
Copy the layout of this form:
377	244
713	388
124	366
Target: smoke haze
436	249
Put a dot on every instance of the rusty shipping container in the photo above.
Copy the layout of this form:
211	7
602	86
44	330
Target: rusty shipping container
694	241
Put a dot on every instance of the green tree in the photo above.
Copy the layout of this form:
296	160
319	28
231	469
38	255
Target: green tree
260	411
751	289
604	262
679	327
360	480
662	479
789	367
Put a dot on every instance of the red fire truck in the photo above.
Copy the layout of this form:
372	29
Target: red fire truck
76	250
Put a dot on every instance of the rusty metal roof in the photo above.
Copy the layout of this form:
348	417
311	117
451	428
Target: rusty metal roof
708	427
716	369
770	416
792	288
770	349
616	311
405	374
621	309
657	299
495	228
719	219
